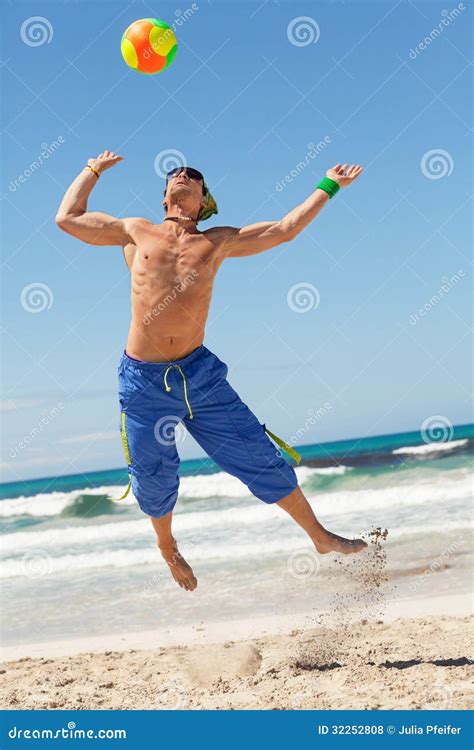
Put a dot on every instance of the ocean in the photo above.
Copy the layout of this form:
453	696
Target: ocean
77	562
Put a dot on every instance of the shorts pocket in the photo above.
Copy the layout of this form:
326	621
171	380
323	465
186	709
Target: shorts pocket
257	441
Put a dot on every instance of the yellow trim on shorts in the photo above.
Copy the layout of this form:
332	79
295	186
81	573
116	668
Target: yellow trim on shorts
126	450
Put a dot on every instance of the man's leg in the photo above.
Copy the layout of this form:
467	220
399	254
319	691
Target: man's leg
296	505
180	570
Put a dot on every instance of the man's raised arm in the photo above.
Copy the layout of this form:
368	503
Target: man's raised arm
256	238
92	227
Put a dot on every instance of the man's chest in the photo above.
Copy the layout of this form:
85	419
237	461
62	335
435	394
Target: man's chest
177	259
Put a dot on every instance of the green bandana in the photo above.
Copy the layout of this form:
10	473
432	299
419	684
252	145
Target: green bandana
210	207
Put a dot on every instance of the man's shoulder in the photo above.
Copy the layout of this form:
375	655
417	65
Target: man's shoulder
219	235
135	221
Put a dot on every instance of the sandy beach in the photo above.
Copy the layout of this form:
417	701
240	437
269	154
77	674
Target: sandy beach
91	618
403	663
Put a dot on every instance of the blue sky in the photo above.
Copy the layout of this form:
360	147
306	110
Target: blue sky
242	102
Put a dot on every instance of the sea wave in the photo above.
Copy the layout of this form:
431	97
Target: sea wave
126	558
428	448
87	502
333	471
55	503
195	550
435	493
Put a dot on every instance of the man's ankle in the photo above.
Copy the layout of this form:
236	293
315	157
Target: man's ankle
167	545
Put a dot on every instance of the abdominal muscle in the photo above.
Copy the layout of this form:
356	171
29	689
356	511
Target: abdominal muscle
168	319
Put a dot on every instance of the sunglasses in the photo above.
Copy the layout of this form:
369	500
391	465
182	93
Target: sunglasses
189	171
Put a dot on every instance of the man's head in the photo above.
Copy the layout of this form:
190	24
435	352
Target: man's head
186	187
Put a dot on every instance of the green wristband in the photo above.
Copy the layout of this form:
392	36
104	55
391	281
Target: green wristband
329	186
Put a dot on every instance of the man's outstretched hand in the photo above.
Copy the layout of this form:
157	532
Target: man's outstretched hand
105	161
344	174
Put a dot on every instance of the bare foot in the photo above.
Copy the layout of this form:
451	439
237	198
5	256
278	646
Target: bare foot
329	542
180	570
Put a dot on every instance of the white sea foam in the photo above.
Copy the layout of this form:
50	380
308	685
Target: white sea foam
436	493
126	558
196	551
335	471
428	448
196	487
52	503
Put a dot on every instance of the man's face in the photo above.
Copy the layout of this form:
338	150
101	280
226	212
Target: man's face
185	183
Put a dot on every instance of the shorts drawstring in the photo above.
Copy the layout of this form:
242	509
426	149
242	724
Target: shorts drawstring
168	387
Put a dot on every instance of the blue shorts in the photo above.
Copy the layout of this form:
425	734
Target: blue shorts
156	398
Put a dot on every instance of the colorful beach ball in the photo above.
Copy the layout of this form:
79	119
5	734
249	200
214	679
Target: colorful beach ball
149	45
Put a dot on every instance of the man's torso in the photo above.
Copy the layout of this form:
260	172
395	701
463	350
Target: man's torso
172	276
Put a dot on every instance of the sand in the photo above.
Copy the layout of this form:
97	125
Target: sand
367	650
406	663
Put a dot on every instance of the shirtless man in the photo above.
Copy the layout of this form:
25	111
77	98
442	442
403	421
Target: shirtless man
166	374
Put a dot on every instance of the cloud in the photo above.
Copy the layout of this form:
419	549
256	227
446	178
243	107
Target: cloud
11	404
91	437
